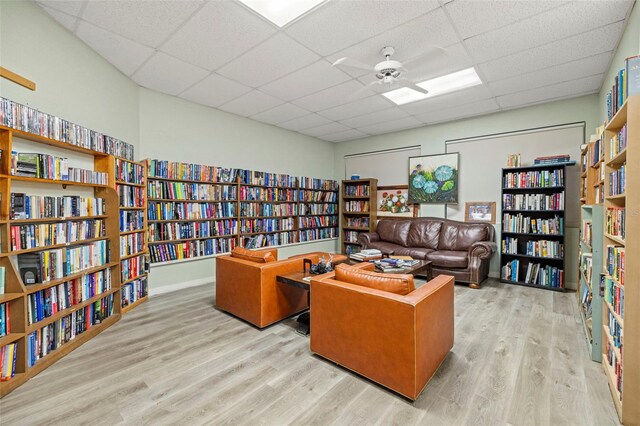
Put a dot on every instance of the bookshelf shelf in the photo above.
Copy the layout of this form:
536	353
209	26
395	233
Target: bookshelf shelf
537	188
133	305
10	338
534	211
525	284
6	297
619	159
614	238
133	208
176	200
52	142
52	181
55	219
55	246
619	119
125	183
135	231
41	286
130	280
529	234
526	256
202	238
129	256
358	207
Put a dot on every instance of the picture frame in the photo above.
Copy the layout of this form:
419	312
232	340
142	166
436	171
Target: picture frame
400	207
433	179
480	211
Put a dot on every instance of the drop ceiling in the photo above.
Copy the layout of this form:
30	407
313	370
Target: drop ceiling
224	55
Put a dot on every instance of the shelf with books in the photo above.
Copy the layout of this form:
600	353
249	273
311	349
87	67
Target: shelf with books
621	239
49	241
533	237
358	209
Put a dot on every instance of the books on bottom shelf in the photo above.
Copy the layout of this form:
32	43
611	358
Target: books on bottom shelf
8	355
134	291
546	276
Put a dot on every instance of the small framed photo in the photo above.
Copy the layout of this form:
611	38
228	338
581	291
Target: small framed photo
480	211
393	202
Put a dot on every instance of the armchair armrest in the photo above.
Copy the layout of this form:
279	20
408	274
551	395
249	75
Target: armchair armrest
367	238
482	249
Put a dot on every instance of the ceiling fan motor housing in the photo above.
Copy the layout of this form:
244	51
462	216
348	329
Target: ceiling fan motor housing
388	68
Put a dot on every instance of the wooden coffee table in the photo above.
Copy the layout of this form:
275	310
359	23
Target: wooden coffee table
422	269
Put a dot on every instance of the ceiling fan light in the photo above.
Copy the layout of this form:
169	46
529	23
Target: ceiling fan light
451	82
404	95
281	12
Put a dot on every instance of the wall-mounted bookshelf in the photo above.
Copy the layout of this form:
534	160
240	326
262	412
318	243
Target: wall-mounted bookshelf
59	239
621	281
533	226
358	211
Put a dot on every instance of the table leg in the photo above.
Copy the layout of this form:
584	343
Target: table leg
304	319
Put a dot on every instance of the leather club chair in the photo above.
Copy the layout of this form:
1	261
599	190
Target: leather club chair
379	326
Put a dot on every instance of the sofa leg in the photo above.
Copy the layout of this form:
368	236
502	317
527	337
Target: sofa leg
474	286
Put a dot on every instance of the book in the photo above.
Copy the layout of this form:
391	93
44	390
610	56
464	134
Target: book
632	69
2	279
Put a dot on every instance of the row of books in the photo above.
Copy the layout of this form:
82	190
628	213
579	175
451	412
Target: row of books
186	230
351	236
25	118
618	142
186	210
317	196
129	172
586	232
8	356
614	295
53	336
5	323
615	221
45	303
252	177
133	267
25	206
626	83
586	267
44	166
552	159
311	209
357	190
317	221
131	220
596	152
134	291
514	160
130	196
317	234
31	236
322	184
614	263
270	240
356	206
259	209
188	171
357	222
533	201
131	243
528	225
617	181
615	364
190	191
267	194
249	226
190	249
534	179
546	276
541	248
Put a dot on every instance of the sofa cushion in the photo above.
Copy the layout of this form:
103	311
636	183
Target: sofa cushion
449	258
394	283
384	247
460	236
252	256
394	231
424	233
415	252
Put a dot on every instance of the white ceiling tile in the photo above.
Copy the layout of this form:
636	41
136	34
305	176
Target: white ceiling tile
551	25
325	129
597	41
339	24
313	78
125	54
167	74
217	33
214	91
592	65
390	114
251	103
72	8
344	136
448	100
360	107
276	57
280	114
556	91
333	96
67	21
392	126
408	40
469	110
147	22
472	17
304	122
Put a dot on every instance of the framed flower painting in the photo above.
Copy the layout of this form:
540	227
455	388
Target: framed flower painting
433	179
393	201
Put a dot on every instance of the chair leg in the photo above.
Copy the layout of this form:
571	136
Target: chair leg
474	286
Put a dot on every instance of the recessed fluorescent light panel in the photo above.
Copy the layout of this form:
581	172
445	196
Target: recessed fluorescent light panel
281	12
436	86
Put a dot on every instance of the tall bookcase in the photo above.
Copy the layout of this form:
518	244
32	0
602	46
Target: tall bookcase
533	237
130	182
621	281
317	209
359	211
592	170
92	286
590	269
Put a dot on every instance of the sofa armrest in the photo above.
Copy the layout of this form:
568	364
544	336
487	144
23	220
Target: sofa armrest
366	238
482	249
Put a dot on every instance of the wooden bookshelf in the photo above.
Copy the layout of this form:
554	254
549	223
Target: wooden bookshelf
623	355
19	295
527	250
358	209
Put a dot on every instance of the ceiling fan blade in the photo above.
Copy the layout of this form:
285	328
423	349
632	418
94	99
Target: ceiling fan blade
432	53
352	63
408	83
355	95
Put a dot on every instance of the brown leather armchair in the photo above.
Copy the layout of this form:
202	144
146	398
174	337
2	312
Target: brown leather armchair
398	341
248	288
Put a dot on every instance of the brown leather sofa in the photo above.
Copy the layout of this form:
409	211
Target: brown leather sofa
395	339
461	249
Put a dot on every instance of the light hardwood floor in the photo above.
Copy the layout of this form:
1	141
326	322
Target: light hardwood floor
519	358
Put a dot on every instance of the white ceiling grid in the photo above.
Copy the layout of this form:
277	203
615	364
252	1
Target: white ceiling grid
221	54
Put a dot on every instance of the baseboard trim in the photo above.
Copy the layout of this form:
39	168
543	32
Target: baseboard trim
178	286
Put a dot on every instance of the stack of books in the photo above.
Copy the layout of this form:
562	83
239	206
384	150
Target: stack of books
553	159
366	255
394	265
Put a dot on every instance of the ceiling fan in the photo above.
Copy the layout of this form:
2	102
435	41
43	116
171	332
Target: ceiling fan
389	71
